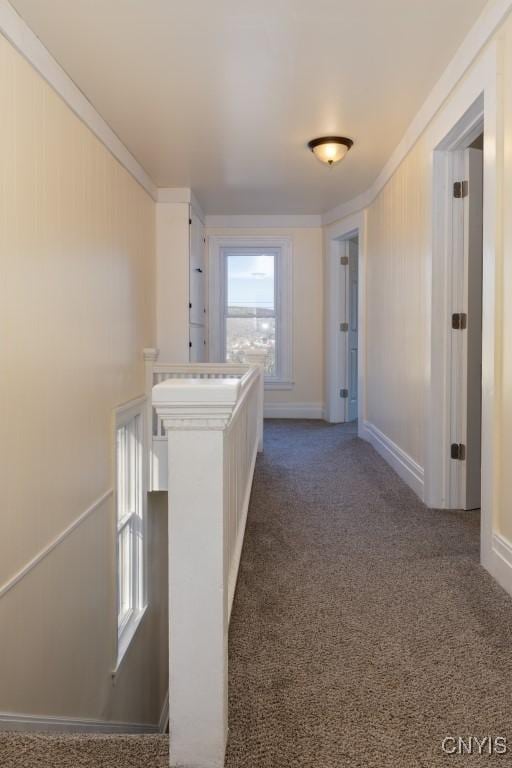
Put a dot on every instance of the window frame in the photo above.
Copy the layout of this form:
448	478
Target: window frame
226	251
125	415
218	246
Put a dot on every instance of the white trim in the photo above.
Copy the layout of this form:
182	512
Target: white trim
439	301
174	195
443	486
10	721
126	637
14	29
123	415
278	384
294	410
343	230
489	20
273	221
284	275
237	554
197	207
405	466
181	195
163	720
56	541
500	562
458	117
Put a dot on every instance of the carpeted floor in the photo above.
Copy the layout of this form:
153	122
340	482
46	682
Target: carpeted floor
363	631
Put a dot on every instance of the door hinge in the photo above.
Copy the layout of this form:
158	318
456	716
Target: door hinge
344	393
458	451
459	321
343	326
190	221
343	261
460	189
190	344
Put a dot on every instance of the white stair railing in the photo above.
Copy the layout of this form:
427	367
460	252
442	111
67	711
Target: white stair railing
210	418
157	372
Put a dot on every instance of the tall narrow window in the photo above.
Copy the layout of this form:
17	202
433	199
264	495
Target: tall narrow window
250	311
131	523
250	302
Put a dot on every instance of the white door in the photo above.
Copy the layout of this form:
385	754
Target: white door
353	252
348	314
466	333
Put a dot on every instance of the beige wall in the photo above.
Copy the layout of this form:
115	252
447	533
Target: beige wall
77	306
307	311
396	299
397	302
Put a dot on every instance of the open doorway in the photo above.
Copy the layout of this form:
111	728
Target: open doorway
343	332
350	339
466	327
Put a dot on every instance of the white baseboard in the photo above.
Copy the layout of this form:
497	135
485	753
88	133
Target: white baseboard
499	564
294	410
164	715
17	722
410	472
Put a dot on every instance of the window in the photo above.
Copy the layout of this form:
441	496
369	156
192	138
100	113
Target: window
250	303
131	523
250	318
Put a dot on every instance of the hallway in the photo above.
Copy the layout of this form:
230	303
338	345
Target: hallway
364	630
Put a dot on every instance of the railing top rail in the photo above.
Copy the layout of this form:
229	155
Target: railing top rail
198	391
191	368
246	384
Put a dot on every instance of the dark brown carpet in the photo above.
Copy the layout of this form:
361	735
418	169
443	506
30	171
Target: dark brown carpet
363	632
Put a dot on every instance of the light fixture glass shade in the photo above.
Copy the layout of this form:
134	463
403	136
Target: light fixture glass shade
330	149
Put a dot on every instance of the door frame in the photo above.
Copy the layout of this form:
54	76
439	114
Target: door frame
335	363
447	170
474	105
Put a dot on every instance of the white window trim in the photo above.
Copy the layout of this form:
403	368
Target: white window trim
123	415
216	245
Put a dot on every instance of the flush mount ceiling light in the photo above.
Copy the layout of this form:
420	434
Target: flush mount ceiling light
330	149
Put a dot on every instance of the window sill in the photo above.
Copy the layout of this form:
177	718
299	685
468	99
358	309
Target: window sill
271	384
126	638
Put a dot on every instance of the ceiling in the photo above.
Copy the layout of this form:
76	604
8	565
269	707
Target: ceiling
223	95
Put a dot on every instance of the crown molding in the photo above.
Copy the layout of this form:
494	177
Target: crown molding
493	15
19	34
240	221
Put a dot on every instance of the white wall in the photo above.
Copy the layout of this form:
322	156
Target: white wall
172	287
305	398
77	306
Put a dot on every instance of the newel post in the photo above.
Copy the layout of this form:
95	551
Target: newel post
195	414
258	358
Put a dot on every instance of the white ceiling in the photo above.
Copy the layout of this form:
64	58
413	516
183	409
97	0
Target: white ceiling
223	95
